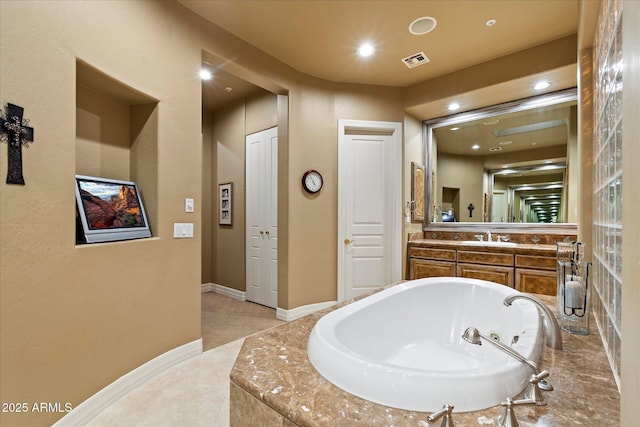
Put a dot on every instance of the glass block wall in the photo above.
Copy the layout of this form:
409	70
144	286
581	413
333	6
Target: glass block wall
607	197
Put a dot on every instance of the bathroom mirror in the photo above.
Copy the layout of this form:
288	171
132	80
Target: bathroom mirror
504	164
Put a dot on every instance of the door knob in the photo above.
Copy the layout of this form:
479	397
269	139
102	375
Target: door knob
347	241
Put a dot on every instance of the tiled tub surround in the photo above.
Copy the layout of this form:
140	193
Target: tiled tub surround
274	384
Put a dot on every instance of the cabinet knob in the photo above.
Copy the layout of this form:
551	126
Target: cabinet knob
347	241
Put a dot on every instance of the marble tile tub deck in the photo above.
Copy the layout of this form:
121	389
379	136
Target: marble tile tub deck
274	384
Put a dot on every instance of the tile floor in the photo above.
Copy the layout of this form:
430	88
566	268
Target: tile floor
195	392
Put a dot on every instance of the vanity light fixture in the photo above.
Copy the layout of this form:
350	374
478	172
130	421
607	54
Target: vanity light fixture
365	50
205	74
453	106
542	85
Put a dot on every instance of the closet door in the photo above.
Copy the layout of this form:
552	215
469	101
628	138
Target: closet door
262	217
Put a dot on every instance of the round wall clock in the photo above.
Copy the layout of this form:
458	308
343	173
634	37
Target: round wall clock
312	181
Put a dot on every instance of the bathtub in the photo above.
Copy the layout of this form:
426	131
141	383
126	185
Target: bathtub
402	347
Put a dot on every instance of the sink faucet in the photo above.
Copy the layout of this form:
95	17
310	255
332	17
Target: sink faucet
554	338
488	235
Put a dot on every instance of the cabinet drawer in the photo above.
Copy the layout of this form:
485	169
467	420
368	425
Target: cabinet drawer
536	281
502	275
485	258
536	262
433	253
419	269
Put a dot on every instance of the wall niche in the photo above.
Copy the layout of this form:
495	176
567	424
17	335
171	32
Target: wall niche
117	133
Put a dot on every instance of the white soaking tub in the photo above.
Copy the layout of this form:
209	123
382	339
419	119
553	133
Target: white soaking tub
402	347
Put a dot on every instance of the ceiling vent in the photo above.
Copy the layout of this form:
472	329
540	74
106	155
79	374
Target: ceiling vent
416	59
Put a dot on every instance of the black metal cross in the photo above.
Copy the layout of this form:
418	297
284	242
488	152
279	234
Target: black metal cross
18	134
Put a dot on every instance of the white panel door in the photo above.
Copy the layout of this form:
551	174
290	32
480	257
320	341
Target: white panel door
370	211
262	217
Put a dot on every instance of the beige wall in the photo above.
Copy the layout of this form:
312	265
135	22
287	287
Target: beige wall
630	368
412	153
208	196
312	225
67	329
74	319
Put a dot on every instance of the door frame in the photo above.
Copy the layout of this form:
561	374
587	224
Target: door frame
394	129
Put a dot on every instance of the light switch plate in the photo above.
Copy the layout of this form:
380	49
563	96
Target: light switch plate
182	230
188	205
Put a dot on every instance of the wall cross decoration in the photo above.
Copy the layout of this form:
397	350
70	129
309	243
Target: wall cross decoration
16	131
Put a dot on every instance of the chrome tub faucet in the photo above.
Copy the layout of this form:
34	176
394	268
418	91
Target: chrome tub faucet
554	337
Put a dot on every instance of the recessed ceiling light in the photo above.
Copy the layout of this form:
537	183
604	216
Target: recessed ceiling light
490	23
475	147
455	128
422	26
453	106
491	122
542	85
366	50
505	142
205	74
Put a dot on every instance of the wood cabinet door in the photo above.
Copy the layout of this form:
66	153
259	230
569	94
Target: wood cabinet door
536	281
489	258
420	268
497	274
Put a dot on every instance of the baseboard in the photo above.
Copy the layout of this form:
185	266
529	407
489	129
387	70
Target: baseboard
96	404
224	290
281	314
298	312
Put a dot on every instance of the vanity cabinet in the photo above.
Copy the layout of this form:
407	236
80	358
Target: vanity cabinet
535	274
527	268
495	267
431	262
502	275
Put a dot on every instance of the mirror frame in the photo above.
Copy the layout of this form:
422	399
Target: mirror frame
552	98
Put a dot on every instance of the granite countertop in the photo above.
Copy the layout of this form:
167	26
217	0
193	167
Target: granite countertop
273	366
520	248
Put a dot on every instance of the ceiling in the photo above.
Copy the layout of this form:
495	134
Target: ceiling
320	37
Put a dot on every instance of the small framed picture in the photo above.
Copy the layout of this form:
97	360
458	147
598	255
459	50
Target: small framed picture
224	193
